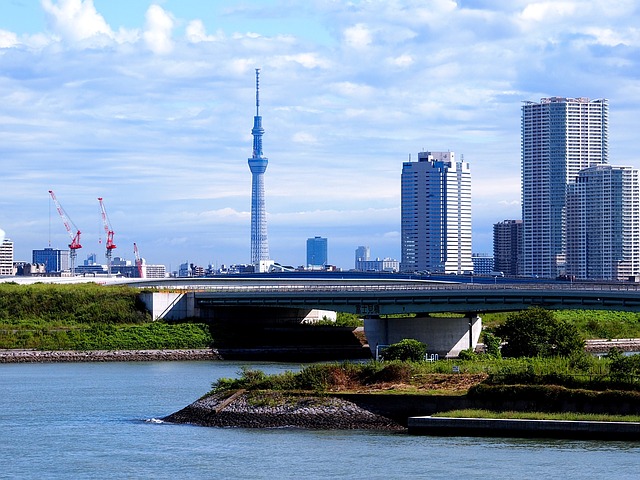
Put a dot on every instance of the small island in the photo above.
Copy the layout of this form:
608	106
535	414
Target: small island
575	396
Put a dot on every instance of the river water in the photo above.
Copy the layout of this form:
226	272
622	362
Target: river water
94	420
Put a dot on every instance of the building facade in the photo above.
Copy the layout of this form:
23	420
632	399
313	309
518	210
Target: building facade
317	252
603	224
559	137
54	260
436	214
258	166
378	265
507	247
482	264
6	257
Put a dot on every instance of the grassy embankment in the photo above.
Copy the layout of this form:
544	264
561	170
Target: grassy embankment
588	417
87	317
551	383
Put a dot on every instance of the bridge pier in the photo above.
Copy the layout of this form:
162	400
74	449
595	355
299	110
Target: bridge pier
445	336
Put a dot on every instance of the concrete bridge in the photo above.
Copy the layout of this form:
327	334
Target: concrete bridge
280	300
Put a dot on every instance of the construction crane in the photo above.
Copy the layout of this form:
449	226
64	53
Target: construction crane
138	261
75	238
109	232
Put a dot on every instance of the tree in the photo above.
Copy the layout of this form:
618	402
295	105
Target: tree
407	349
537	332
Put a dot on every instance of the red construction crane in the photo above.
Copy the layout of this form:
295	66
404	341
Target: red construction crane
75	238
138	261
109	232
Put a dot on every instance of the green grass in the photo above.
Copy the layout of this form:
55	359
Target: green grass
590	323
87	317
148	336
591	417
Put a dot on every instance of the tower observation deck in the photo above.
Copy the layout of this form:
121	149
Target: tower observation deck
258	165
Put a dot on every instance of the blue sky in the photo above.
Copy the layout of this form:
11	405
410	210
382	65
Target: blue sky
150	104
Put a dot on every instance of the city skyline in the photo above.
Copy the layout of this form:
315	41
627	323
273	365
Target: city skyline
146	105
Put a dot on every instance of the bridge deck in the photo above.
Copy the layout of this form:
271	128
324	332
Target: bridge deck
397	297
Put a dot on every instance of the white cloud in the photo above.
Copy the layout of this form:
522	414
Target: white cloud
401	61
612	37
8	39
76	20
158	30
552	11
307	60
196	33
304	138
358	36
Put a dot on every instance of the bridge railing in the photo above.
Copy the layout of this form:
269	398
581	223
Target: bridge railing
292	288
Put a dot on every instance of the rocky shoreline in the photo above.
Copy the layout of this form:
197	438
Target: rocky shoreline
37	356
278	410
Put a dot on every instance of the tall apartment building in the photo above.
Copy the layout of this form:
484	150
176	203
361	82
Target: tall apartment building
507	247
436	214
603	224
6	257
560	137
317	252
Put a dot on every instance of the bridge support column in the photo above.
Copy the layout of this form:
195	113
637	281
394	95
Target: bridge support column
445	336
170	305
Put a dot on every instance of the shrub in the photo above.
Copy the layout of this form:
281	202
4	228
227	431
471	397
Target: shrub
492	344
407	349
623	368
467	354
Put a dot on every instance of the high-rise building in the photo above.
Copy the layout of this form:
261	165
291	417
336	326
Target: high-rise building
603	224
560	137
258	165
316	252
507	247
363	253
6	256
53	259
436	214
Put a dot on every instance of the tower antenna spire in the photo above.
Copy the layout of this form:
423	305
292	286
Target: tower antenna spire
257	92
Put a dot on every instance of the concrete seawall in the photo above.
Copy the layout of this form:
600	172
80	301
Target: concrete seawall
491	427
36	356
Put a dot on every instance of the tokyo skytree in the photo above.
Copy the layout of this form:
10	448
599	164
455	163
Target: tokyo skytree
258	165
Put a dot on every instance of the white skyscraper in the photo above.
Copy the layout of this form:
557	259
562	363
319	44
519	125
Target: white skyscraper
560	137
436	214
603	224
